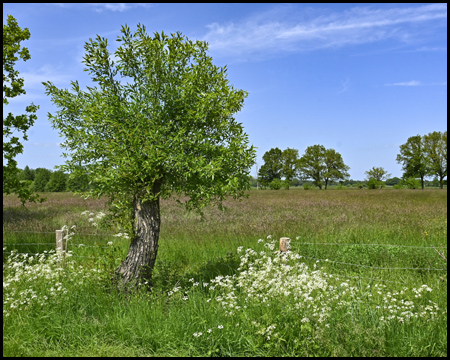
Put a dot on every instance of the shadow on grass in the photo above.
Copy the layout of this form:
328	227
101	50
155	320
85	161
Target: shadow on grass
168	274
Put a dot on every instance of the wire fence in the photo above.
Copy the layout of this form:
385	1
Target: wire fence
290	242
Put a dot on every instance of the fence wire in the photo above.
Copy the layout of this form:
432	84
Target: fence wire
342	244
295	242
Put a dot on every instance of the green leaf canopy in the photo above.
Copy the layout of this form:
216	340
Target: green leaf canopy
168	120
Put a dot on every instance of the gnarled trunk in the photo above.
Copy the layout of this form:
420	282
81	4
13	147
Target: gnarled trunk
138	265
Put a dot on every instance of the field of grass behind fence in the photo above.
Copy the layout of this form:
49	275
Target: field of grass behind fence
376	242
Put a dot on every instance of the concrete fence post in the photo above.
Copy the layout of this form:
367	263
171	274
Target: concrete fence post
61	244
284	244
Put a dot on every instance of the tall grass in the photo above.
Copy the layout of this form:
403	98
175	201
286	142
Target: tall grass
208	290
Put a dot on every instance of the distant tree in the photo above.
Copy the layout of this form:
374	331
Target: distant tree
413	159
272	167
26	174
289	160
373	183
393	181
312	164
435	147
57	182
375	177
322	165
377	173
13	86
41	179
169	129
335	169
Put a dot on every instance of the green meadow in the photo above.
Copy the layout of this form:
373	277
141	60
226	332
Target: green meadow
366	275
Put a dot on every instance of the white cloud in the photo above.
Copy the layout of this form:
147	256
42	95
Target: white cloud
99	7
269	33
406	83
416	83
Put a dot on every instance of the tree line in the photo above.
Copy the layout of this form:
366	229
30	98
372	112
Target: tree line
319	164
421	157
44	180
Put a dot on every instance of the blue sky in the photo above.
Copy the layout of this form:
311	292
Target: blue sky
357	78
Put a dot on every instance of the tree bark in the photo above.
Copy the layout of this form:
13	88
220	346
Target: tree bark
138	265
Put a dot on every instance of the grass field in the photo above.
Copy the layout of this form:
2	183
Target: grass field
221	290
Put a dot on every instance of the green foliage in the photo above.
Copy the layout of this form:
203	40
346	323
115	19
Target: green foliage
278	164
13	86
322	165
272	167
378	173
373	183
411	183
286	184
57	182
435	147
41	179
413	158
27	174
276	184
169	130
399	186
289	159
307	186
394	181
78	182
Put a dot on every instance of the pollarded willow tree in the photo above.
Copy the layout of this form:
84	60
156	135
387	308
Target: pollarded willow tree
167	129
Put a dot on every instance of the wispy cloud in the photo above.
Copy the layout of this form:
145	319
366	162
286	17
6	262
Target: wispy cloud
416	83
100	7
33	80
344	86
276	31
406	83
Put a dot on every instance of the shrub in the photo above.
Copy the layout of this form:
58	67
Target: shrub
307	186
276	184
373	183
412	183
286	184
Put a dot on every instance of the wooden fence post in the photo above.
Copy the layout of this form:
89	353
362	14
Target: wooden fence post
61	244
284	244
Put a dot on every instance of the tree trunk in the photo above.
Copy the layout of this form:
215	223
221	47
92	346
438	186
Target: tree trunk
138	265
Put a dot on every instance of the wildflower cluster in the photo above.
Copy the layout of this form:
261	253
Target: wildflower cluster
40	279
396	308
284	283
93	219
